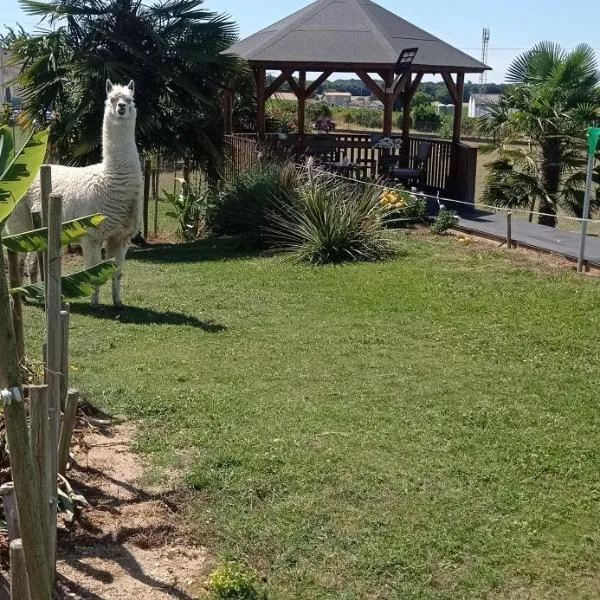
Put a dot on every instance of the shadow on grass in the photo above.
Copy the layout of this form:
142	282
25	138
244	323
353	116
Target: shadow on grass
138	315
202	250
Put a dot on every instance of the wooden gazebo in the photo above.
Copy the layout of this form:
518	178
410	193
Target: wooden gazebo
352	36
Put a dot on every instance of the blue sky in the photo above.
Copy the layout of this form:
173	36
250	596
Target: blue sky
515	24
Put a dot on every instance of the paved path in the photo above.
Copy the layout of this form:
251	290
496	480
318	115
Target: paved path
524	233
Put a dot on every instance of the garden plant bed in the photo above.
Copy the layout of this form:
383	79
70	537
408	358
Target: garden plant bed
132	541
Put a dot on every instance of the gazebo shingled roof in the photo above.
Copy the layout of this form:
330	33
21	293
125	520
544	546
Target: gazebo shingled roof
346	33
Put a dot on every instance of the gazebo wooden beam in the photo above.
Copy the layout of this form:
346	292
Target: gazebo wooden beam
366	79
293	84
312	88
277	83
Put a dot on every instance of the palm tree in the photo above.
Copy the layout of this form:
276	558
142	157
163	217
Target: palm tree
539	126
171	48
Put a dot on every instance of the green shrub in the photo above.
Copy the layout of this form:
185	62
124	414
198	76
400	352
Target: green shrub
446	219
241	206
425	118
188	208
333	222
315	110
405	208
232	581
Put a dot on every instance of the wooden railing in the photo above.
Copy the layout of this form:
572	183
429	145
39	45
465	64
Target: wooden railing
450	169
241	154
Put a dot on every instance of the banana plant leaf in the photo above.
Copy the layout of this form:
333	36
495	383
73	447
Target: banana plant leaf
20	173
7	143
77	285
37	240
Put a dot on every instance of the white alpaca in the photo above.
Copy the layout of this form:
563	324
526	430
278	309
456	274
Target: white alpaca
113	188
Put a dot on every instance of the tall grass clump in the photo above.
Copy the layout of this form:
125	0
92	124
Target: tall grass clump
243	204
332	221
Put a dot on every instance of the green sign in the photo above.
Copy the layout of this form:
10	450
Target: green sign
593	135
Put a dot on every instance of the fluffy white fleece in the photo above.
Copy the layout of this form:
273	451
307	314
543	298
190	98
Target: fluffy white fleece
113	188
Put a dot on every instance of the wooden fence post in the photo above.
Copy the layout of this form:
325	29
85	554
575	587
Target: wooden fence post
66	431
509	229
17	308
155	182
45	191
24	475
9	501
65	315
40	450
147	173
36	218
53	306
19	586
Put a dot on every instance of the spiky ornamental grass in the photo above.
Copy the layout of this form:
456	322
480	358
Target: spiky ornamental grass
332	221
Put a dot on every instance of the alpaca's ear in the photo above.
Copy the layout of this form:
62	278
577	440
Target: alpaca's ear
131	86
109	86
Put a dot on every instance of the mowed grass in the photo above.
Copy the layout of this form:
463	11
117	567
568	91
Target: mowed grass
425	428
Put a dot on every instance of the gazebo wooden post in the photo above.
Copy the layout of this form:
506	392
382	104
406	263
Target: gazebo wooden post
260	77
406	97
456	91
460	87
301	95
228	108
388	105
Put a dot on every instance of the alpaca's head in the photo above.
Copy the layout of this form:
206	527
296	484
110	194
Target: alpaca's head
119	106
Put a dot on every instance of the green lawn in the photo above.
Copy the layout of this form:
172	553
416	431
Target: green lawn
425	428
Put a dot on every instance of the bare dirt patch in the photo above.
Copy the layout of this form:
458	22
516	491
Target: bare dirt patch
130	542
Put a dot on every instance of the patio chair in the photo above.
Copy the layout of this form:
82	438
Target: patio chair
388	163
415	173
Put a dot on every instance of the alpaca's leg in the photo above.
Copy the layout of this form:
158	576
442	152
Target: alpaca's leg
117	248
92	255
33	267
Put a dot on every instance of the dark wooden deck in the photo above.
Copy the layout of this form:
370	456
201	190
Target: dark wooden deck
450	169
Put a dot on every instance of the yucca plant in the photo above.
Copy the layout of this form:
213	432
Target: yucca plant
332	222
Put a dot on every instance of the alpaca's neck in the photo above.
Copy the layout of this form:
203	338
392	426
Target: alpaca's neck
119	151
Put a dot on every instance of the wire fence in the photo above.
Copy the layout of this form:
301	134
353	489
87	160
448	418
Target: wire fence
452	201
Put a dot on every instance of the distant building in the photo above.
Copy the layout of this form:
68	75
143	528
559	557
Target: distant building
443	109
7	74
337	98
478	104
285	96
365	102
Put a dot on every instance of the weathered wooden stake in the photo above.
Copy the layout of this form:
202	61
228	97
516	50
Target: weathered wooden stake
147	174
9	501
54	333
17	307
66	430
41	452
21	461
36	218
45	360
155	182
45	191
509	229
65	315
19	586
